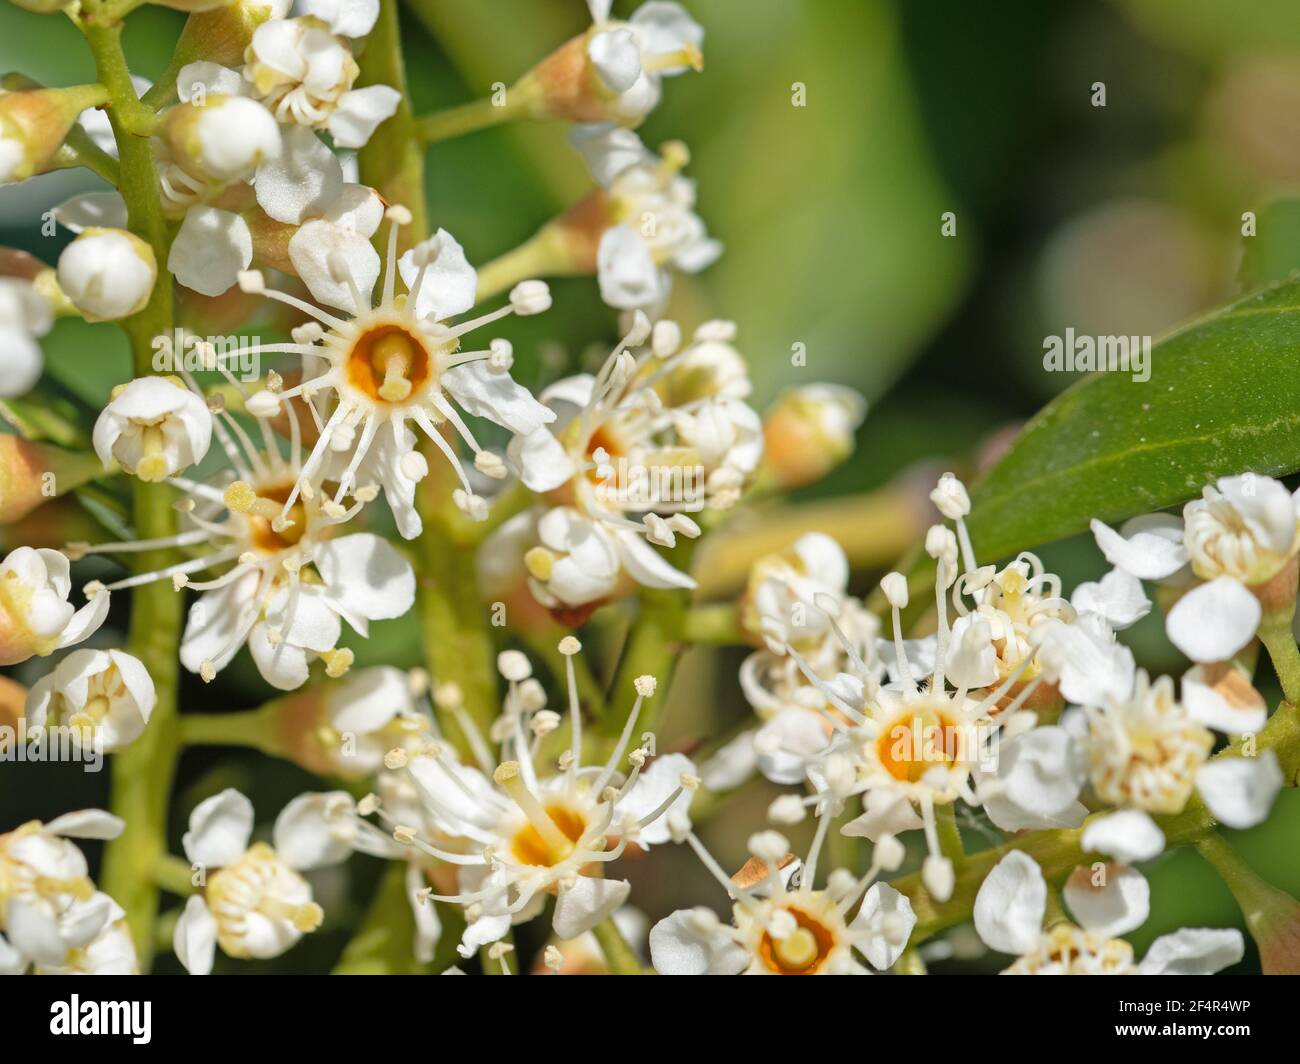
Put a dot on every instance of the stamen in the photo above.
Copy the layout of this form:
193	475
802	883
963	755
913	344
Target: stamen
507	777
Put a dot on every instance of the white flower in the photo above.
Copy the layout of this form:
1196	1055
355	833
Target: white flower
659	40
653	228
36	617
518	834
347	18
107	695
154	427
783	925
210	250
25	316
48	904
398	362
1107	902
107	273
1244	528
304	74
110	951
294	580
254	902
638	447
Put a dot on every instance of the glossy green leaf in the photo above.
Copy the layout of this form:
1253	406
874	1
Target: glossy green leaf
1223	398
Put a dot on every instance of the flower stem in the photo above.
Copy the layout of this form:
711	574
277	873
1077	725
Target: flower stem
249	727
466	118
717	625
544	254
1277	636
652	649
143	772
618	954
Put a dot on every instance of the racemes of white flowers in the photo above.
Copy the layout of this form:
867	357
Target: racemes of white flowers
516	834
51	915
36	617
103	696
652	225
654	436
781	924
288	582
1107	901
254	901
396	361
1238	542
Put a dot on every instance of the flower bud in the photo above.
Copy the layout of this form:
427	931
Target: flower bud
107	273
154	427
32	473
222	34
34	123
224	139
809	431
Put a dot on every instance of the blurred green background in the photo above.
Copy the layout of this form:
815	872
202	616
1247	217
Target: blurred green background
1116	219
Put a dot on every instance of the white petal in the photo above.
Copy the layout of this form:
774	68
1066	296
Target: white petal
616	57
450	282
1010	904
497	397
92	210
1040	775
347	18
1149	547
87	824
587	903
731	765
693	942
542	460
886	915
367	699
358	208
1230	704
652	789
212	78
646	565
1214	621
210	250
666	27
34	932
195	937
626	270
1194	951
1129	835
366	576
1240	791
1117	596
1119	905
317	246
303	181
315	830
428	928
220	828
885	813
607	150
359	112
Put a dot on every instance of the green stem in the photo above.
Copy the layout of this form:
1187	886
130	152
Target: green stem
950	844
174	876
143	772
466	118
382	944
714	625
544	254
253	728
1276	634
619	956
652	649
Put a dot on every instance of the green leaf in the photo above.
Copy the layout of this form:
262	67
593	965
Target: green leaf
1223	398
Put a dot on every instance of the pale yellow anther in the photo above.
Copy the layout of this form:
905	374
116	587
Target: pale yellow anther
540	563
308	917
395	759
337	662
392	354
404	834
